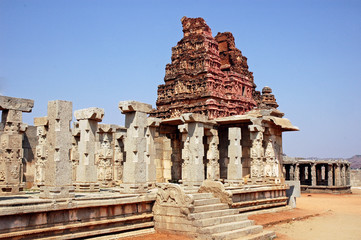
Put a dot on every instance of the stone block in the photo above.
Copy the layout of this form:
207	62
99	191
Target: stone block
41	121
19	104
93	113
134	106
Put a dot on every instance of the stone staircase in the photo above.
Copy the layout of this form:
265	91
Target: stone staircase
214	220
202	216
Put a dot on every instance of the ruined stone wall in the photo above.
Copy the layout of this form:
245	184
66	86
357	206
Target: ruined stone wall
356	177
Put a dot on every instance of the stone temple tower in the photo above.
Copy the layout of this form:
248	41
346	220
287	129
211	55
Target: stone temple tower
207	75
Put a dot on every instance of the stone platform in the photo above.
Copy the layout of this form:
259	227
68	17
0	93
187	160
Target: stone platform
87	215
326	189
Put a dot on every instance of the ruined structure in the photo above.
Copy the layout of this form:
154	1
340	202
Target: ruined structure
11	137
212	149
332	176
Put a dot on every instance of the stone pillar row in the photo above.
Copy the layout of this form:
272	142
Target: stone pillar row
338	173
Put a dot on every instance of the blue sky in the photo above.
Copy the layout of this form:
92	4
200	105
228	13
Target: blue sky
96	53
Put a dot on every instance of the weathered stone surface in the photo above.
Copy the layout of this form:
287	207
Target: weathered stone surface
135	146
18	104
207	75
134	106
95	114
11	149
86	175
58	177
234	154
41	121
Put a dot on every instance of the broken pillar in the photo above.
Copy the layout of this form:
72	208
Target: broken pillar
86	172
11	151
234	169
135	165
41	154
58	170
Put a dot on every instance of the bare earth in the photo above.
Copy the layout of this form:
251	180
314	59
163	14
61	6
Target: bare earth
317	216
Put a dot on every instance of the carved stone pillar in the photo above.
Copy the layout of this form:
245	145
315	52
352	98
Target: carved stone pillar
257	151
58	182
343	175
41	154
118	157
192	153
212	155
337	174
135	165
74	152
234	170
297	173
271	168
292	172
313	174
11	151
105	153
348	175
150	134
86	174
330	175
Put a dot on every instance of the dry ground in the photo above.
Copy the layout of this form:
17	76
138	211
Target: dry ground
317	216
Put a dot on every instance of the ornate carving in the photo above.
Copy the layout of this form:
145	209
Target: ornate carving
172	195
207	75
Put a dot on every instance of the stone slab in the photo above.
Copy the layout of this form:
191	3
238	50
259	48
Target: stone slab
19	104
134	106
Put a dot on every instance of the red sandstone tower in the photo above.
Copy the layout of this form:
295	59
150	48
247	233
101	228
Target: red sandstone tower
207	75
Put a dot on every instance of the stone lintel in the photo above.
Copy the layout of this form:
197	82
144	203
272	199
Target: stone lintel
134	106
195	117
255	128
120	135
183	128
93	113
108	128
153	122
41	121
18	104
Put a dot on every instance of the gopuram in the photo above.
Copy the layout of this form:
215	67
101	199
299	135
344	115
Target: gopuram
208	153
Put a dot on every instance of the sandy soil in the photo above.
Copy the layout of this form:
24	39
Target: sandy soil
317	216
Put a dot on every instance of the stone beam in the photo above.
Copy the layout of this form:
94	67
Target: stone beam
134	106
18	104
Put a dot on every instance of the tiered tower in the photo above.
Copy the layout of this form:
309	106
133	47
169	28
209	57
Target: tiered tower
207	76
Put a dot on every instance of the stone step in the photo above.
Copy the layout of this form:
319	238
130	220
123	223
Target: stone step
201	202
235	234
219	220
226	227
212	214
264	235
210	207
197	196
136	233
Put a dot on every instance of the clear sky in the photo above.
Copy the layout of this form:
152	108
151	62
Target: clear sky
96	53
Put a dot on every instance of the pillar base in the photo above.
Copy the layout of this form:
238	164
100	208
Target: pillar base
56	192
86	187
9	189
133	187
